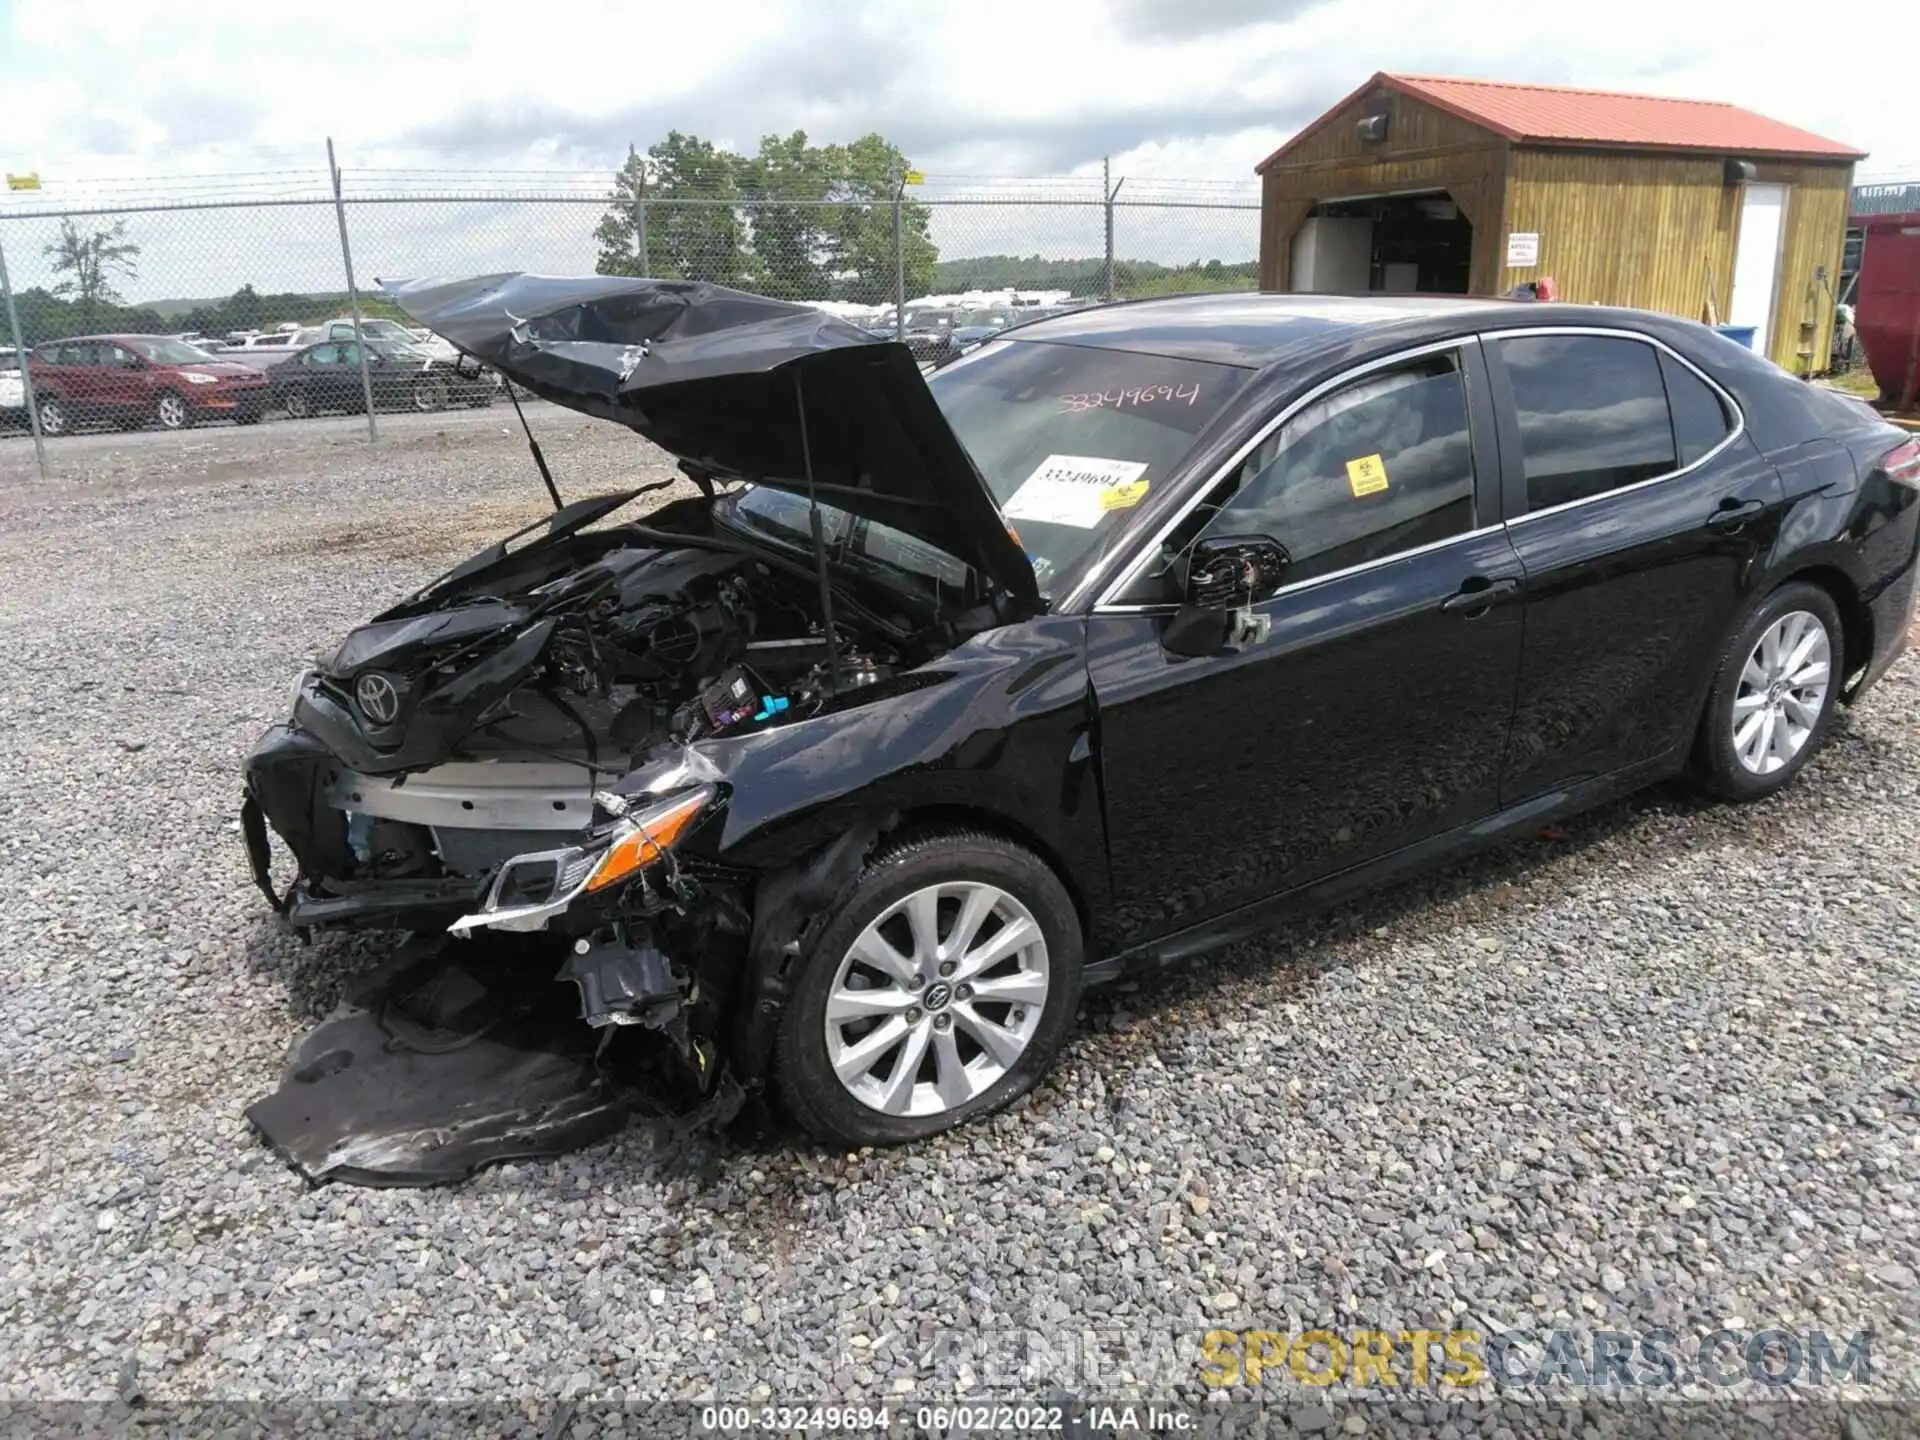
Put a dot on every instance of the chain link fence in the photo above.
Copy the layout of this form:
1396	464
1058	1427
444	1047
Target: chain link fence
263	300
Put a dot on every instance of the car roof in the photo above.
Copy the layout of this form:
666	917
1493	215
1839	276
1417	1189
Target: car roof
88	339
1248	328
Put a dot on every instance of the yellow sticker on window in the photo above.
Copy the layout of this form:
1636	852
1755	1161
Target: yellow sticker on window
1123	496
1366	476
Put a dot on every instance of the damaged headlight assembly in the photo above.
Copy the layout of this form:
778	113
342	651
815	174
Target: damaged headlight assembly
533	888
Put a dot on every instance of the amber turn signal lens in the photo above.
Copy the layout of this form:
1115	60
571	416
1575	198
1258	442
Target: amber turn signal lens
647	838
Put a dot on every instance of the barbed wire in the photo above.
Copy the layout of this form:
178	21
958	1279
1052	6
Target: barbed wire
134	192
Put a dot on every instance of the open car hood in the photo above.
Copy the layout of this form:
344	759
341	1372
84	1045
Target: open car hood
717	377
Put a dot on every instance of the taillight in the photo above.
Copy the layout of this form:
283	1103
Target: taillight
1902	463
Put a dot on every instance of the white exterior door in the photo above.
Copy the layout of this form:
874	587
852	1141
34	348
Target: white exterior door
1756	261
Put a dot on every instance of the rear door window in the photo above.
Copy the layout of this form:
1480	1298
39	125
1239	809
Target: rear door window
1593	416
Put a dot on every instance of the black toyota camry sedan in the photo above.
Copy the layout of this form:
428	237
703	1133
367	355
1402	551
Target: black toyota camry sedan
947	698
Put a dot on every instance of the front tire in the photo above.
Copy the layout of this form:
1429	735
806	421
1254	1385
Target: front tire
1773	697
171	411
429	395
941	990
297	406
53	415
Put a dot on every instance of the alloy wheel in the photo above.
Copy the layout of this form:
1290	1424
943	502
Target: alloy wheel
430	395
171	411
296	405
1782	692
937	999
53	417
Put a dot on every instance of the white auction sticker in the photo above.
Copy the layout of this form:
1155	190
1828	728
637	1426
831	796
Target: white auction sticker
1077	490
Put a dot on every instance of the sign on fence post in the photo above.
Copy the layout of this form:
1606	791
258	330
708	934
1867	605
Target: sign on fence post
353	295
26	372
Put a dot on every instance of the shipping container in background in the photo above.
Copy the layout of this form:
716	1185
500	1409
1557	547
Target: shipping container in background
1887	314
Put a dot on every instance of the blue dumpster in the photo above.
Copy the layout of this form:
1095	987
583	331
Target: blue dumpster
1739	334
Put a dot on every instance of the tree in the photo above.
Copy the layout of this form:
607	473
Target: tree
91	263
45	316
860	229
689	188
796	220
789	241
616	234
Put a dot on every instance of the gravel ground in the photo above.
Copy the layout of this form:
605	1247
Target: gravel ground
1664	1071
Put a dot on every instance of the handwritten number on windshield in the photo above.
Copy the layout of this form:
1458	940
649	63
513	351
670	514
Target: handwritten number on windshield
1135	398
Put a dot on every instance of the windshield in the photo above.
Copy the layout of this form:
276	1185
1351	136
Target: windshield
395	350
1069	437
167	352
899	560
979	319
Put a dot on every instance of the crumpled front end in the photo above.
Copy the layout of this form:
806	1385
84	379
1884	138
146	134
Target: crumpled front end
513	759
471	1053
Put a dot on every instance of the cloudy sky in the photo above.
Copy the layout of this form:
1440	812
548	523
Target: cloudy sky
101	90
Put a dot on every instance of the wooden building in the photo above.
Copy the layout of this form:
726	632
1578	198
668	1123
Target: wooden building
1464	186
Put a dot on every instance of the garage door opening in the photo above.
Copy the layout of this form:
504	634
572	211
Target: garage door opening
1393	244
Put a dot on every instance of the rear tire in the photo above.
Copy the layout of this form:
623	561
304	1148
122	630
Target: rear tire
971	1053
1773	695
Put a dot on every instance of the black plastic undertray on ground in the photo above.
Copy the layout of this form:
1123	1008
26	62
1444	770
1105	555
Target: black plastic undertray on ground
447	1059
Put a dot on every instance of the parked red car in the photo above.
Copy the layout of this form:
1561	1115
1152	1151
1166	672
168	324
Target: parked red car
131	379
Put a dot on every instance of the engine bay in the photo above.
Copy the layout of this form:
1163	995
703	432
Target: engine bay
643	644
477	719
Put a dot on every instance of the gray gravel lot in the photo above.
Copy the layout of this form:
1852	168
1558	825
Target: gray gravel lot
1662	1072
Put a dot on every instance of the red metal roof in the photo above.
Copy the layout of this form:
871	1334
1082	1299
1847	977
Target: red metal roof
1555	115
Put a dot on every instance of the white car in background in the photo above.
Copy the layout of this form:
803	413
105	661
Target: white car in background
13	388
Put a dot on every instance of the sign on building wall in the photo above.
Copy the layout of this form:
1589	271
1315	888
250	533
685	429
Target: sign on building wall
1523	249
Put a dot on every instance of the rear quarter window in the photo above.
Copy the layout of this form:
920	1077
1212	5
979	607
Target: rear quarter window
1700	419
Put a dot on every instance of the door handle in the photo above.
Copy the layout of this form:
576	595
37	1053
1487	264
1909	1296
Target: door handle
1733	515
1479	594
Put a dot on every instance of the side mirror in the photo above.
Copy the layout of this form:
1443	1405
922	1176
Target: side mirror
1234	570
1226	576
468	368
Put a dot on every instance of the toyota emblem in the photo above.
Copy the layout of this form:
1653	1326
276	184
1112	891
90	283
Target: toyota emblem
378	697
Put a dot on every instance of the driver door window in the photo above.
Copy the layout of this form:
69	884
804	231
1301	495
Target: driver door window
1382	466
1376	468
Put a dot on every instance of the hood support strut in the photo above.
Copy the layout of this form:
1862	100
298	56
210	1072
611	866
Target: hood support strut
819	534
539	460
